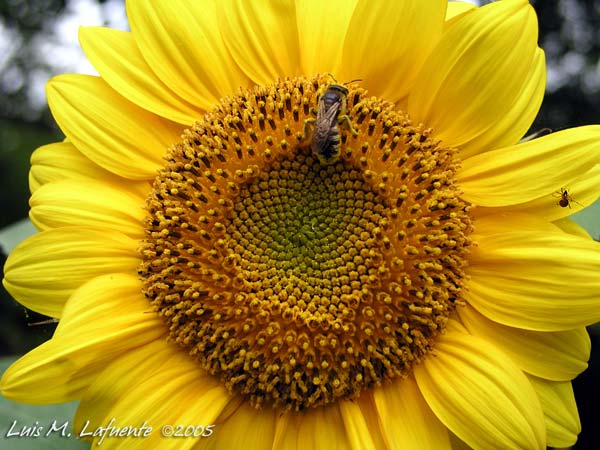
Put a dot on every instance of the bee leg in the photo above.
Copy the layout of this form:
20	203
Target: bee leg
307	123
345	119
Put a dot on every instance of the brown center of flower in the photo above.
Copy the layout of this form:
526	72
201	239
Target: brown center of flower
297	281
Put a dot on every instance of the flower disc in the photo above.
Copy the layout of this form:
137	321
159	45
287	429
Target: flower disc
297	282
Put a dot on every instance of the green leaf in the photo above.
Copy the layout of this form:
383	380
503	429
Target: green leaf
589	218
16	417
14	234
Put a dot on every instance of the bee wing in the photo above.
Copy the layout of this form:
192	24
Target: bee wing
330	115
326	134
326	119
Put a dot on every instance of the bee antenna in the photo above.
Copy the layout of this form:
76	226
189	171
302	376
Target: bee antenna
354	81
332	77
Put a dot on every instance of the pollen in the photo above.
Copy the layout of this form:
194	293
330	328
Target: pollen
299	283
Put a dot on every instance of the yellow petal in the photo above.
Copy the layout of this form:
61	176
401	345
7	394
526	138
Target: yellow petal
88	336
457	444
356	426
544	281
247	428
568	226
286	431
481	84
406	420
262	37
119	62
87	204
530	170
43	271
387	43
62	161
511	127
173	393
118	377
499	223
479	393
559	355
560	411
457	9
182	43
366	402
312	429
322	27
582	190
114	133
324	427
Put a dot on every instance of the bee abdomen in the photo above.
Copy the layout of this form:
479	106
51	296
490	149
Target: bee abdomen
329	151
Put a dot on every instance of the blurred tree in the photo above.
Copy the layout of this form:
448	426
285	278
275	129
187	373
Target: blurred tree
33	47
23	23
570	37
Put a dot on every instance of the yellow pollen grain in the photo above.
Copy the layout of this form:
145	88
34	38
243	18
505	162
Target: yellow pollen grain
297	283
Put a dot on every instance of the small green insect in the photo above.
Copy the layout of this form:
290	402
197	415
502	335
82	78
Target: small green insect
326	141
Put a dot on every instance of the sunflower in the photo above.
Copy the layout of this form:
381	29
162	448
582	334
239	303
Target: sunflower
280	225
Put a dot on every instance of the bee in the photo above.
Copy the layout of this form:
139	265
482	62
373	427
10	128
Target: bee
326	141
565	199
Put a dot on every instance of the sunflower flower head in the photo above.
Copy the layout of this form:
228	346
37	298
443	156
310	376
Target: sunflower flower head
295	282
232	237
